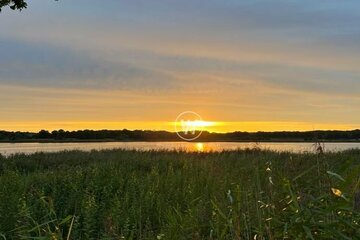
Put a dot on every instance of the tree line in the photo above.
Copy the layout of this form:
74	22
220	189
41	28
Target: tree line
146	135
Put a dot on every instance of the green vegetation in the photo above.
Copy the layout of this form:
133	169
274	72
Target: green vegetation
119	194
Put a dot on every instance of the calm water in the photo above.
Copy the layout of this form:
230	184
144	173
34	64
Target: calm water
11	148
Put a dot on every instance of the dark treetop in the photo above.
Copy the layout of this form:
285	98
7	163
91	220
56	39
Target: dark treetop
14	4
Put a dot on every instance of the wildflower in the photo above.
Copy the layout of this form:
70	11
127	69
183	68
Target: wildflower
336	192
231	200
270	180
160	236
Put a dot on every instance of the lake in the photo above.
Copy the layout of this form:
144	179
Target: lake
28	148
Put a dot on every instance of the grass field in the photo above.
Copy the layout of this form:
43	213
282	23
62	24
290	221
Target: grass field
118	194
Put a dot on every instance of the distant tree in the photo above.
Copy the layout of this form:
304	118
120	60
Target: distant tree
43	134
2	135
58	134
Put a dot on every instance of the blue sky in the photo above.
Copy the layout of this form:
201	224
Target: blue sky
271	62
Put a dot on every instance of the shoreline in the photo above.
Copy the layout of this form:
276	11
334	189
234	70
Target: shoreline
167	140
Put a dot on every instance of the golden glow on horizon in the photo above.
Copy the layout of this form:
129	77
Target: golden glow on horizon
72	109
210	126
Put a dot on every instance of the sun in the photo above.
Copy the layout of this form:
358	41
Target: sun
197	125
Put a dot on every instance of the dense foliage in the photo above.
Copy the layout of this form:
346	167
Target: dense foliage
143	135
118	194
13	4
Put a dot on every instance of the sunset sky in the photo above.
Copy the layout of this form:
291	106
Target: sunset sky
248	65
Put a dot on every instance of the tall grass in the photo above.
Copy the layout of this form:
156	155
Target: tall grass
121	194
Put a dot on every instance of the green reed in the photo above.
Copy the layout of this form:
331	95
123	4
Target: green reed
122	194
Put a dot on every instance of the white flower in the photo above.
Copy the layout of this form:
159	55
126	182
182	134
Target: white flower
270	180
160	236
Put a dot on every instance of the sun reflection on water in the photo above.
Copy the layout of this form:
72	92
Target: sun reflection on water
199	147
